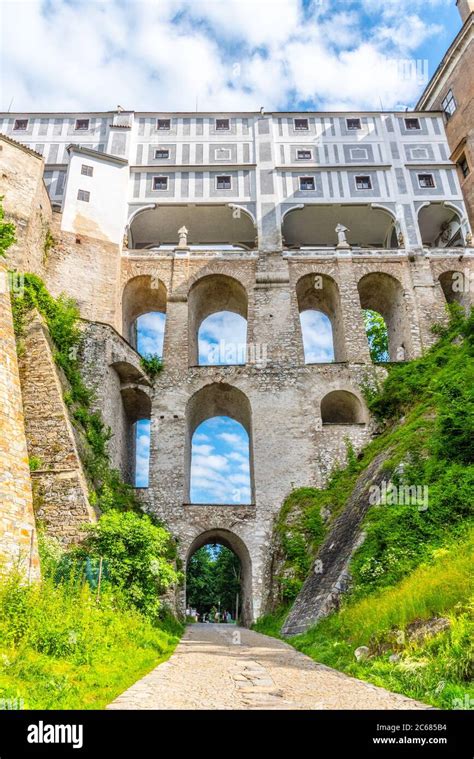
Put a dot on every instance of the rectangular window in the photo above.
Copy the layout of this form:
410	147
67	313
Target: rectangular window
87	170
222	154
363	183
20	125
223	183
163	125
304	155
353	124
162	154
83	195
307	184
301	125
411	124
222	125
160	183
359	154
464	166
82	125
426	181
449	104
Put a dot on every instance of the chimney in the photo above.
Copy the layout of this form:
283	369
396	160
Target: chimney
465	8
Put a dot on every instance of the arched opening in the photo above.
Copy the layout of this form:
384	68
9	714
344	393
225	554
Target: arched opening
226	586
440	226
456	287
219	458
322	330
341	407
222	339
144	313
314	225
137	406
383	294
218	225
220	462
224	298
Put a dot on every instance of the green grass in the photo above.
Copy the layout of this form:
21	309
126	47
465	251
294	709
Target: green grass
415	563
438	670
61	649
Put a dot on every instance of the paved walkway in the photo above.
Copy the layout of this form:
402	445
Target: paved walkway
227	667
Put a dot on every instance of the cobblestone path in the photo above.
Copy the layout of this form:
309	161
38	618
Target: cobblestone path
227	667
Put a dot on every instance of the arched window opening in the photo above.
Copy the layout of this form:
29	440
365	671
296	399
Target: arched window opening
224	298
318	341
222	339
144	314
218	449
150	332
440	226
341	407
383	294
214	585
142	453
220	462
377	336
322	329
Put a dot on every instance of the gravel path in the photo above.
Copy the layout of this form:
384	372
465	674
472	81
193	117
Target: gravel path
227	667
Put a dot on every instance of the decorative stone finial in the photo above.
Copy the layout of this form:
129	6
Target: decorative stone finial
469	243
341	237
183	237
401	239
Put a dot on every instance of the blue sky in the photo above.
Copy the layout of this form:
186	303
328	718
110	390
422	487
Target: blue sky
219	54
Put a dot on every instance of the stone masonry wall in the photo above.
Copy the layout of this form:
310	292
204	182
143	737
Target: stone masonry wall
18	546
59	486
26	203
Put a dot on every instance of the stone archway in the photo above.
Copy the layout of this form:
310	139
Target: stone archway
319	292
383	293
142	294
235	543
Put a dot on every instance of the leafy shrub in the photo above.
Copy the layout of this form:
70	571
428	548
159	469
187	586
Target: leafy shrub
152	363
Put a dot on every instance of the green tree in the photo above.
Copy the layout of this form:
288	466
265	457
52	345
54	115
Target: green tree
138	556
213	579
7	232
377	335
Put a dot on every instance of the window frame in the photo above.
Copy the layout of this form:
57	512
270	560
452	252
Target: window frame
222	128
413	119
426	187
353	128
159	189
301	128
160	122
161	150
360	178
85	193
82	128
89	170
447	101
304	158
223	176
459	163
304	179
20	121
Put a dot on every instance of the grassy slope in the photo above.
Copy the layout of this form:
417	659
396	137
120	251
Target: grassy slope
60	649
414	564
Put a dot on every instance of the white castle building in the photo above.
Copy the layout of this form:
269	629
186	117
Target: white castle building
250	180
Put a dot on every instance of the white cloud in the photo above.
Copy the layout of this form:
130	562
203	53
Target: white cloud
237	54
317	337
